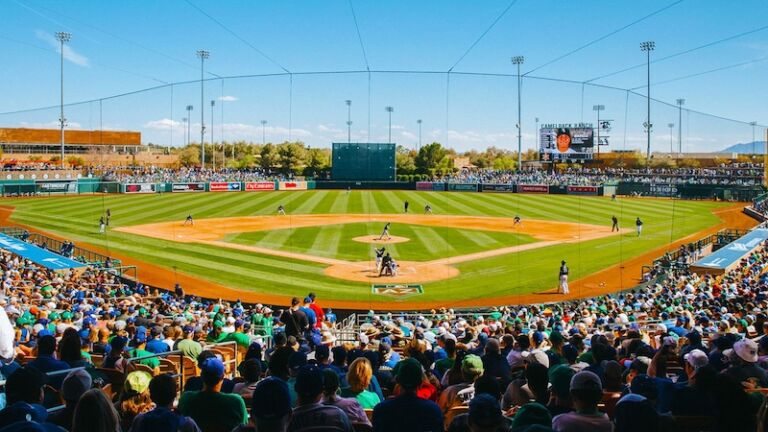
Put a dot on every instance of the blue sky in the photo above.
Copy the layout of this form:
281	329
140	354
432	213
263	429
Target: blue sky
120	47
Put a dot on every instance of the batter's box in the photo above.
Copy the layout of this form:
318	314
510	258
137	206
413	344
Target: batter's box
398	291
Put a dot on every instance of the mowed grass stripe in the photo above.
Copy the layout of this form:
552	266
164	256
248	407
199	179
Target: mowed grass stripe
307	204
326	241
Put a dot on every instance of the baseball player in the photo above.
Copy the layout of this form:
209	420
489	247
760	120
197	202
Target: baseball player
405	206
189	220
385	232
615	225
102	225
379	256
639	226
517	220
386	269
427	209
563	278
281	210
109	216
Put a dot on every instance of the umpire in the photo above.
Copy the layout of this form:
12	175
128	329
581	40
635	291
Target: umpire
563	278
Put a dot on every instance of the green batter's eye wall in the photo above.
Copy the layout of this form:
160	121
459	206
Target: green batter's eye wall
363	161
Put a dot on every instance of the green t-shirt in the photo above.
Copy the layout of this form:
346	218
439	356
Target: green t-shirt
190	348
366	399
241	339
443	365
151	362
209	409
263	325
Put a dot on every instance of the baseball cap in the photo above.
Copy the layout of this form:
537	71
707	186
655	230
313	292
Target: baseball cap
538	356
645	386
485	411
213	368
141	334
560	377
137	381
532	414
271	399
309	381
409	373
696	358
586	380
297	360
555	337
472	364
746	349
75	384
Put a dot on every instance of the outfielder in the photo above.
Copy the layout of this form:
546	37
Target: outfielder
615	226
639	226
281	210
102	225
405	206
385	232
563	278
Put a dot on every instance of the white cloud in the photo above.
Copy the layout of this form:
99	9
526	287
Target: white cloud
50	125
69	53
228	98
163	124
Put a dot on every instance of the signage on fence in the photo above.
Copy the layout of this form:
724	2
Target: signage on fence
140	188
224	186
663	189
528	188
259	186
582	190
497	188
37	254
731	254
424	186
188	187
66	186
398	291
297	185
462	187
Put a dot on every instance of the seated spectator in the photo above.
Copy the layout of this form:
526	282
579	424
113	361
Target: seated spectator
95	413
271	409
75	384
696	395
134	399
115	359
516	357
408	412
209	407
532	416
634	413
310	414
485	385
46	361
250	370
156	345
586	392
24	397
560	391
196	382
744	366
460	394
189	346
350	406
139	350
162	391
494	364
359	378
485	414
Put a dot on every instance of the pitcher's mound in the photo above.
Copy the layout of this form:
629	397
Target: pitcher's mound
409	272
374	239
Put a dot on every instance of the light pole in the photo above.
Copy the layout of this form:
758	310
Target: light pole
419	123
62	37
647	47
518	60
189	121
671	127
598	108
186	135
213	145
680	103
349	120
389	110
203	55
263	132
753	124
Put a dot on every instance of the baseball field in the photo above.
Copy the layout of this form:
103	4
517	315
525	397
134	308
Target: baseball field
468	252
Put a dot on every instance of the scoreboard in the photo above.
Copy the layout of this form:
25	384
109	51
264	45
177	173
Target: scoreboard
566	142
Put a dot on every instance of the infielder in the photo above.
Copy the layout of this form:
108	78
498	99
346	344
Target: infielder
281	210
615	225
517	220
189	220
405	206
563	278
639	226
427	209
385	232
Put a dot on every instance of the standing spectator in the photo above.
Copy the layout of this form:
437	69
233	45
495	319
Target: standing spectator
95	413
408	412
209	407
319	315
162	391
310	414
586	392
295	321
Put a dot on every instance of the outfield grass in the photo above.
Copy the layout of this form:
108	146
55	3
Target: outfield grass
425	244
520	273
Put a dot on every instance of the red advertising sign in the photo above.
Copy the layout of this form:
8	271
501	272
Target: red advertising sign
290	185
585	190
259	186
533	189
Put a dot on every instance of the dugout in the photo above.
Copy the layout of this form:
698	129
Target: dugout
363	162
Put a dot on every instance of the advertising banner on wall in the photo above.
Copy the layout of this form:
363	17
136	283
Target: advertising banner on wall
497	188
462	187
188	187
528	188
424	186
582	190
65	186
259	186
297	185
663	189
140	188
224	186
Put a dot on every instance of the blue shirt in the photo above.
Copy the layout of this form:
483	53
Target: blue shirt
407	412
156	346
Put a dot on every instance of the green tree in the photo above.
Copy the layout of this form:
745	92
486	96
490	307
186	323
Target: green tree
429	157
405	160
269	155
292	155
190	155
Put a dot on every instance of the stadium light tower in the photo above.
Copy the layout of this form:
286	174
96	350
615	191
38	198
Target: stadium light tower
647	47
213	145
185	120
189	120
753	124
389	110
671	127
263	132
349	120
680	103
598	108
518	60
203	55
418	122
62	37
